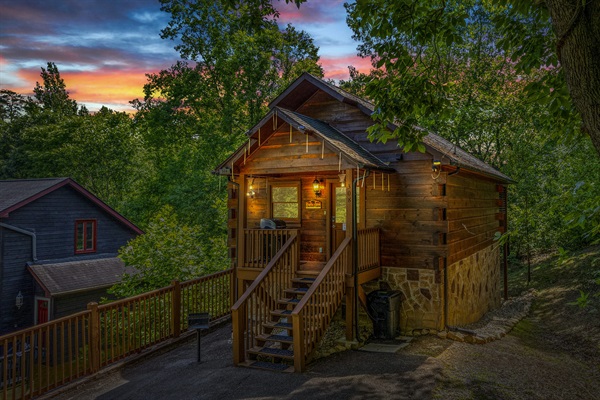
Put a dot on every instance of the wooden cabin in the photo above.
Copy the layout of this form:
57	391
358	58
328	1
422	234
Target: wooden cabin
58	250
356	213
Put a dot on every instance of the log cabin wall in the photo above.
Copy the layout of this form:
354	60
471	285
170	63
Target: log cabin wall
474	268
412	219
313	222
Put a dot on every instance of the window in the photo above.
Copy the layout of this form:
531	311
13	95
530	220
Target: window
85	236
285	201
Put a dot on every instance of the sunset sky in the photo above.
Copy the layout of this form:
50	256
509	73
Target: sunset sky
103	49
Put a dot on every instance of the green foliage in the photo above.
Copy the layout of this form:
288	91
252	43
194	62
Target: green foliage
419	48
167	251
582	301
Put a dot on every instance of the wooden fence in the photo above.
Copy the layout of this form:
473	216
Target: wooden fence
368	249
38	359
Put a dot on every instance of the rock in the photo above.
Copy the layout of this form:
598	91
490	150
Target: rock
456	336
442	334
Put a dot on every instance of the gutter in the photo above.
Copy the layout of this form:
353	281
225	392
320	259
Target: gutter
25	232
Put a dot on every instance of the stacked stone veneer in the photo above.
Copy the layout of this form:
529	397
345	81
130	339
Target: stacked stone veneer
473	289
422	301
474	286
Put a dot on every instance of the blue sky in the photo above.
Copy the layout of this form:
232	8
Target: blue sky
104	48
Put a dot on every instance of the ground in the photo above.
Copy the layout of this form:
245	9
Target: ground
553	353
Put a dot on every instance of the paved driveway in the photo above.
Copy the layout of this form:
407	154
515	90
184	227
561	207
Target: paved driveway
348	375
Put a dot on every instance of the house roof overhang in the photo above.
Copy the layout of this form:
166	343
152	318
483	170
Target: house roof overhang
63	278
306	85
332	138
50	185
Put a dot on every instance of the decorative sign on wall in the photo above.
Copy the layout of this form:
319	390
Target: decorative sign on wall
313	205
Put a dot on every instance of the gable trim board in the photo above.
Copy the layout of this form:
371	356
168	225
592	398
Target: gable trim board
56	183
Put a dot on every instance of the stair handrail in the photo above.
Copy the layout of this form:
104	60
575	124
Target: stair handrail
303	348
238	311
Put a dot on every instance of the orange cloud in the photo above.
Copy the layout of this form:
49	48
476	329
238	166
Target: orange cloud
113	88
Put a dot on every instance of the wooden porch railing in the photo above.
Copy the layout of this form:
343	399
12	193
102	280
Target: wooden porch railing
311	317
368	249
261	245
254	307
38	359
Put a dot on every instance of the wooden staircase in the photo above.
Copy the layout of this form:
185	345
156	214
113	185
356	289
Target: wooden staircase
280	318
275	349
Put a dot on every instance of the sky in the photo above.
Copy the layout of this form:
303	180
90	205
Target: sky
104	48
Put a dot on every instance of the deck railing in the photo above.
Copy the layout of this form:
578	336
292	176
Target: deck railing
38	359
261	245
311	317
253	308
368	249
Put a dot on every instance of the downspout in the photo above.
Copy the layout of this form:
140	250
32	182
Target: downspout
25	232
355	250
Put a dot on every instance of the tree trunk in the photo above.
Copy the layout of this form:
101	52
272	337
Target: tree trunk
577	27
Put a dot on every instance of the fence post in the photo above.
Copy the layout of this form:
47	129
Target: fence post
94	337
176	308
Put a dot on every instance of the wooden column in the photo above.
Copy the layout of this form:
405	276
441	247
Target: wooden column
94	337
241	225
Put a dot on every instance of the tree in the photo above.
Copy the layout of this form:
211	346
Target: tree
52	94
407	40
167	251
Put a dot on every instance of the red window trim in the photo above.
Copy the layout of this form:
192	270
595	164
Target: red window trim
94	226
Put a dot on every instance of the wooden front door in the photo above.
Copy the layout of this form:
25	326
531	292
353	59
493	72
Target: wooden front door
338	216
42	311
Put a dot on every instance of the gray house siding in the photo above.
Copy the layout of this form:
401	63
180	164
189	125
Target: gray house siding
52	218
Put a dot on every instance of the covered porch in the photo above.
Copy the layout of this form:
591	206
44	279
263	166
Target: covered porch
290	281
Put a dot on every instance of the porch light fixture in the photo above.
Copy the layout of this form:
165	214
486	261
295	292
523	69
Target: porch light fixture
342	180
19	300
436	168
250	193
317	187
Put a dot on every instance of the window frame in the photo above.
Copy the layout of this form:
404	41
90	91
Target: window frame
282	184
85	222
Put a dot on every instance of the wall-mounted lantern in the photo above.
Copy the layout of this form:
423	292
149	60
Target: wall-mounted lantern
19	300
342	180
318	187
251	193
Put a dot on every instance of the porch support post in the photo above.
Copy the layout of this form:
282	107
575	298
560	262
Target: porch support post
241	225
350	281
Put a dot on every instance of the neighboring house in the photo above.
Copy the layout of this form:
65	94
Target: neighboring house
425	224
58	248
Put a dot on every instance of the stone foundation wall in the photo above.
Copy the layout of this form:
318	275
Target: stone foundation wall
422	297
474	286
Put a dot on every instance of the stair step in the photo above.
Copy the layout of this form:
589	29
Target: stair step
278	325
276	338
272	352
281	313
296	290
288	301
279	367
303	280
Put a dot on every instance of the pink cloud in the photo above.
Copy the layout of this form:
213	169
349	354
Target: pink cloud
337	67
309	12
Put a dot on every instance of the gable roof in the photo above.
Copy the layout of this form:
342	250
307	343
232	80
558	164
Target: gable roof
334	139
306	85
17	193
78	276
